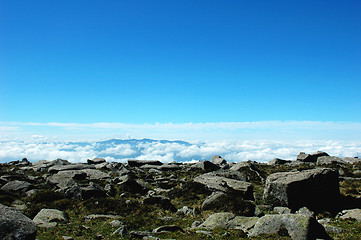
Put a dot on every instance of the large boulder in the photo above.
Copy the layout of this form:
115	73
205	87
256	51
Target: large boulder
303	157
206	166
324	160
218	160
223	184
17	187
96	161
310	188
230	203
297	226
50	218
14	225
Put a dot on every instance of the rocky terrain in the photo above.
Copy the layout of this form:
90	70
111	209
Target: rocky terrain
316	196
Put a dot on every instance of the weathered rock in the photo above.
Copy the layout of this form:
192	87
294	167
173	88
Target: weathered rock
128	184
50	218
221	219
17	186
43	165
206	166
227	173
278	161
243	223
96	161
64	177
303	157
229	220
14	225
329	160
92	191
139	163
122	231
94	174
217	183
79	166
310	188
282	210
214	200
218	160
350	213
185	211
298	226
168	228
351	160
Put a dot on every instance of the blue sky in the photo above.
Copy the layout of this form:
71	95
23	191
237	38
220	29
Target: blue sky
204	61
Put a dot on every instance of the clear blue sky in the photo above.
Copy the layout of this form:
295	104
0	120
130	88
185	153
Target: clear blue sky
135	61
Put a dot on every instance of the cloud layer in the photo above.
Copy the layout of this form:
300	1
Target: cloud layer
219	131
168	151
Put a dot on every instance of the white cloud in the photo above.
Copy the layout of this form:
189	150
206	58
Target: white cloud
218	131
236	151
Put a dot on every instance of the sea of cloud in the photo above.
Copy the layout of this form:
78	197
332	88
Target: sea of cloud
236	151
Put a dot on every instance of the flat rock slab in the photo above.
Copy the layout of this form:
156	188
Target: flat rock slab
217	183
229	220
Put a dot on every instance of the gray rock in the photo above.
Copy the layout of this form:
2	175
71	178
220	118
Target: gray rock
206	166
50	218
298	226
116	223
92	191
214	200
310	188
122	231
14	225
168	228
218	160
329	160
185	211
139	163
94	174
96	161
351	160
229	220
282	210
17	186
310	157
243	223
127	183
227	173
278	161
78	166
350	213
215	220
65	177
217	183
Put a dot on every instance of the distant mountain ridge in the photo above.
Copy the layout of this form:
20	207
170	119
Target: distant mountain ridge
144	140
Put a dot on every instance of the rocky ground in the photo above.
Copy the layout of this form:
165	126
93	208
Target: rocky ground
316	196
